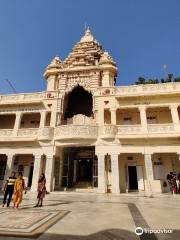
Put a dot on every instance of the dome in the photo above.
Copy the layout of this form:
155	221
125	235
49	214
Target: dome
55	63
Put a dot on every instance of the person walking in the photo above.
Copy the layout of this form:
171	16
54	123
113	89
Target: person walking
169	179
41	190
9	189
19	187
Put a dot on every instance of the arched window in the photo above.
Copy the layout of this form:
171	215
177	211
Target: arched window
78	101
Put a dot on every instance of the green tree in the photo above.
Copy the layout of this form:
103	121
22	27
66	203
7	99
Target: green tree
141	80
177	79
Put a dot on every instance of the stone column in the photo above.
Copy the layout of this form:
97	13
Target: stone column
17	123
43	119
49	172
115	173
113	116
142	110
9	165
36	172
149	173
174	114
101	173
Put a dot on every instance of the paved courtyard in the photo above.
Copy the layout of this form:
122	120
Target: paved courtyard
88	216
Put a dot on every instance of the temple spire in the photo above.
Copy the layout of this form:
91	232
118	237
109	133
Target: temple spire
88	37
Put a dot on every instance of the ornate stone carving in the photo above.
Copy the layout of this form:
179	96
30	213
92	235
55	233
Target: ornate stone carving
28	132
129	129
81	119
6	132
109	130
160	128
71	131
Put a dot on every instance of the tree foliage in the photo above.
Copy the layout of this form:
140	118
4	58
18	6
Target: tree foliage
170	78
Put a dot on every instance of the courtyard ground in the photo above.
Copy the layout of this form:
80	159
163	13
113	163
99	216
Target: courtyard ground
89	216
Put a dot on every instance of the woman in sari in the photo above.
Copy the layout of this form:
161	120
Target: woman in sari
19	187
41	190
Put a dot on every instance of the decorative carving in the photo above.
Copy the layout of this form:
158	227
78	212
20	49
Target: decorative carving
28	132
160	128
6	132
81	119
108	130
129	129
71	131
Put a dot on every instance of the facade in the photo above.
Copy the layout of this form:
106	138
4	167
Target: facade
86	133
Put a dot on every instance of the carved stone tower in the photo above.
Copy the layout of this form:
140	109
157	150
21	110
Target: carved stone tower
87	66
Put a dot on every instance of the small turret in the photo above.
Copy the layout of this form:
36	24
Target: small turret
109	70
51	73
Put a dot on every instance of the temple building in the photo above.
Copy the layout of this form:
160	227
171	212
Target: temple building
87	134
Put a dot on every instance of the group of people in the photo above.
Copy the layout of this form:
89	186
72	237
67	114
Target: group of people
174	182
15	187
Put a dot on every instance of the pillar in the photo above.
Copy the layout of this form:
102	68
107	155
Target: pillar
43	119
115	173
36	172
174	114
143	117
113	116
9	165
149	173
17	123
101	174
49	172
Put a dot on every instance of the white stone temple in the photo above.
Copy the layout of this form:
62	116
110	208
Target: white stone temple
87	134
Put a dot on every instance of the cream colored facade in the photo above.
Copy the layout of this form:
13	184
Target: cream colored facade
86	133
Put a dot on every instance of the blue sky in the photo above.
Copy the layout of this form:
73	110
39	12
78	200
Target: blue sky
141	36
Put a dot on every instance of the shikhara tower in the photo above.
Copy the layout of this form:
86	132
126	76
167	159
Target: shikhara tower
87	134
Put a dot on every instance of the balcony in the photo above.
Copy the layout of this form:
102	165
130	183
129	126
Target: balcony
27	97
26	134
76	132
129	130
140	90
152	130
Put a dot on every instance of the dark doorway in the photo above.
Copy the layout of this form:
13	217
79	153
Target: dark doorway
78	167
133	184
30	176
79	101
84	170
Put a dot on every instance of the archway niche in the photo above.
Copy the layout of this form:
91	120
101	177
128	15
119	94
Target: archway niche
78	101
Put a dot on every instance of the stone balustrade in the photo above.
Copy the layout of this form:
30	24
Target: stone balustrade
76	132
161	128
27	132
6	132
129	129
144	89
89	132
25	97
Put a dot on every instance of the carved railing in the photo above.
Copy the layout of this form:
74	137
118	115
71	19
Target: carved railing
129	129
37	96
6	132
28	132
142	89
161	128
75	131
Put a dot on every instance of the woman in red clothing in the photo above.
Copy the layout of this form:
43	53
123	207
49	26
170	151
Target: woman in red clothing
41	190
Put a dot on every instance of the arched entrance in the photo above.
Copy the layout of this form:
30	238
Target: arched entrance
78	101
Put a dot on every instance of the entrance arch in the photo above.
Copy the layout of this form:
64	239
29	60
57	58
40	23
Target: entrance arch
78	101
